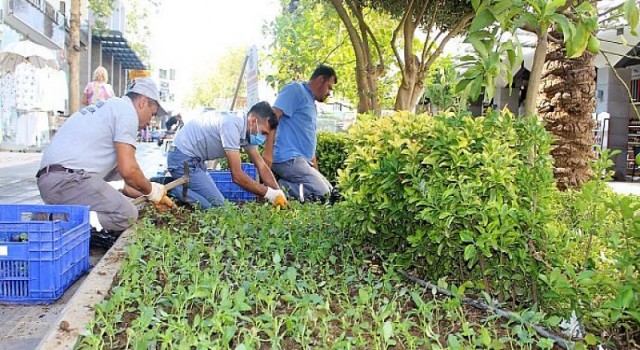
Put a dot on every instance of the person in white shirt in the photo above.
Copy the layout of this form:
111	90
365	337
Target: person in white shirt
98	144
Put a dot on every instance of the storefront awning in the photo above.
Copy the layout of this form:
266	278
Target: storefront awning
116	45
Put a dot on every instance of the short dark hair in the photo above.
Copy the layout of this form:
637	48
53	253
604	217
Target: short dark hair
264	111
325	72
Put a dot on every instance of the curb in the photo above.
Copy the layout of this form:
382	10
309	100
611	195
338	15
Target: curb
78	312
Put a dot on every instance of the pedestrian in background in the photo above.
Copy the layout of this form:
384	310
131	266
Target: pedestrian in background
291	148
99	89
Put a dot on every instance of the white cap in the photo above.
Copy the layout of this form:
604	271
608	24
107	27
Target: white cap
147	87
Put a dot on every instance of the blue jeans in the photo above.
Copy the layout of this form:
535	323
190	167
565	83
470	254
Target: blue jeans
201	189
298	171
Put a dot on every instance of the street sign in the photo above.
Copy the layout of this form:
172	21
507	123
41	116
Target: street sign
252	77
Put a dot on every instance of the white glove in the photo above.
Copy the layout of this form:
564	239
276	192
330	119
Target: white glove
157	192
272	194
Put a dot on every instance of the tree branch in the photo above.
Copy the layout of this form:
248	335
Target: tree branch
394	39
421	12
453	33
610	10
326	57
430	25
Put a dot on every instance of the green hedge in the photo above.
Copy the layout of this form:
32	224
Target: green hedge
331	152
468	197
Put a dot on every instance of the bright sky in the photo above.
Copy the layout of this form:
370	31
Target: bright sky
190	35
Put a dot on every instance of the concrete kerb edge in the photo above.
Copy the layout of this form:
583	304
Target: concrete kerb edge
78	312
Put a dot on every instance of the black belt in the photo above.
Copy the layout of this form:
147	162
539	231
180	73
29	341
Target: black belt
53	168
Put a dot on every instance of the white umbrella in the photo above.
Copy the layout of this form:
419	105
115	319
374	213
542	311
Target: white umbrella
38	55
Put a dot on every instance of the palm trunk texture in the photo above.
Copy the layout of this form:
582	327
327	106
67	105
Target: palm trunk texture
566	103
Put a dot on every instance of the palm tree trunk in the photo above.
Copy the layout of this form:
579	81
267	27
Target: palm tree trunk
566	104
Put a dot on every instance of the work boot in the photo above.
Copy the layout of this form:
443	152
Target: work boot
103	239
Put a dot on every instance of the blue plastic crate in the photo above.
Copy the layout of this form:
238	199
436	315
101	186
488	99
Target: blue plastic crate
56	253
230	191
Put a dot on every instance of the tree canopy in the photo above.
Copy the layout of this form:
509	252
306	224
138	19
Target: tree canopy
216	87
310	34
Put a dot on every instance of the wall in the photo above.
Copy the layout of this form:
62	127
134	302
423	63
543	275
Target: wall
612	97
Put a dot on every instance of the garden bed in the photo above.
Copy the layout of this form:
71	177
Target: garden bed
254	278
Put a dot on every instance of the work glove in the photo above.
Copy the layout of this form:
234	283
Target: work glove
276	198
158	196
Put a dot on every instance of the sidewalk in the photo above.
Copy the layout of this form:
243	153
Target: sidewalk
8	159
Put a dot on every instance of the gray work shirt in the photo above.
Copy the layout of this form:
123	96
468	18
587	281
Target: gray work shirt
86	139
213	133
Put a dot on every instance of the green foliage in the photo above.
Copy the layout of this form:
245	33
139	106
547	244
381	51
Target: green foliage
493	58
441	84
250	277
468	197
216	87
594	243
443	15
102	10
314	34
138	26
631	15
331	152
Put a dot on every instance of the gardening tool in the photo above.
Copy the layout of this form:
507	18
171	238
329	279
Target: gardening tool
184	180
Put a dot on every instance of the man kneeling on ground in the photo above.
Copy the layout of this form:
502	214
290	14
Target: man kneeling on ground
98	144
217	135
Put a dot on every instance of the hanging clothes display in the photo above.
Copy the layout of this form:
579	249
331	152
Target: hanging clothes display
30	95
25	86
8	117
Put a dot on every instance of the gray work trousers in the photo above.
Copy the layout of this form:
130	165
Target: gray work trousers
298	171
115	211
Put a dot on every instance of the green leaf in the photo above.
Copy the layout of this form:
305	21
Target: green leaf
387	330
586	8
566	26
462	85
276	258
466	236
470	252
553	321
590	339
578	42
527	18
479	46
632	15
551	6
482	20
485	337
627	296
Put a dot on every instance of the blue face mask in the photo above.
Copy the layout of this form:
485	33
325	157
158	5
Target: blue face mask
257	139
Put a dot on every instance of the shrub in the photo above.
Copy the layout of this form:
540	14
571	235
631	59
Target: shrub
331	153
467	197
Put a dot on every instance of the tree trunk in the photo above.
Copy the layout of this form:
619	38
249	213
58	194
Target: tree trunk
366	72
405	99
73	54
566	103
